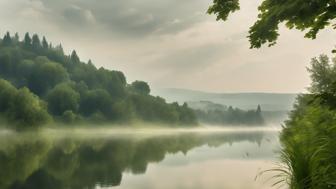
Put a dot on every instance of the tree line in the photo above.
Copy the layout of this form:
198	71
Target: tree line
40	84
211	113
231	116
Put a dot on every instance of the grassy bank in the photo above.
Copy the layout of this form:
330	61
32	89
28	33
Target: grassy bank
309	136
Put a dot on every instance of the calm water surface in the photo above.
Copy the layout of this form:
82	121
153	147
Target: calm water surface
141	159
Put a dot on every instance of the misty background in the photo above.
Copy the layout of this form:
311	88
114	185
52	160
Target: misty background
170	43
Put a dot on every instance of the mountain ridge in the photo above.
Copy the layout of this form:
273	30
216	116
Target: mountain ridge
244	100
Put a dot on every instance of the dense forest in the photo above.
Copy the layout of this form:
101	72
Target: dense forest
39	84
218	114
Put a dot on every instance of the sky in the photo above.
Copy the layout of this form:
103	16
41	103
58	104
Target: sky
171	43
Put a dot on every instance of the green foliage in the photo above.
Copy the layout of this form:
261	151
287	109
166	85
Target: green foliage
27	110
16	38
154	109
73	90
36	43
222	8
157	110
62	98
323	75
140	87
74	57
7	94
27	41
7	40
308	137
311	15
186	115
45	44
97	100
45	75
69	117
231	116
124	111
21	107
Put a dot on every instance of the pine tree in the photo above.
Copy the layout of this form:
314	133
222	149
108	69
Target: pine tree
45	44
36	43
16	38
59	49
74	57
91	64
258	109
7	40
27	41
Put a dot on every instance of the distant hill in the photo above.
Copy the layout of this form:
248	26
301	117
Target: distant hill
246	101
206	106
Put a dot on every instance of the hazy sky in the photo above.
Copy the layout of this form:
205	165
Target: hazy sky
170	43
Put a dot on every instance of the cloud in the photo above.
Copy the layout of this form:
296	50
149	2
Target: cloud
191	60
170	43
130	18
78	16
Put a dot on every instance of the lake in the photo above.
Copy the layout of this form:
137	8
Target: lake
138	158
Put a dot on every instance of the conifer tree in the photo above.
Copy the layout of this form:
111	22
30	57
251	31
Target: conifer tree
45	44
36	43
259	109
59	49
27	41
16	38
74	57
7	40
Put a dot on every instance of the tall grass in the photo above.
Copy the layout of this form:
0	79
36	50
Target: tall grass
307	160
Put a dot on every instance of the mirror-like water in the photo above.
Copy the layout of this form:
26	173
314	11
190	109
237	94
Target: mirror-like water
139	159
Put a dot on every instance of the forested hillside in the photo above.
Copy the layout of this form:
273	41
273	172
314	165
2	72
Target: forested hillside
39	84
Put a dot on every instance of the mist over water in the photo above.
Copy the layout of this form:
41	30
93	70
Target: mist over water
152	158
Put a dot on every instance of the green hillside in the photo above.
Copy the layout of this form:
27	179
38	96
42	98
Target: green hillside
39	84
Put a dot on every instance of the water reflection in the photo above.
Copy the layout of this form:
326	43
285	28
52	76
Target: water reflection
42	161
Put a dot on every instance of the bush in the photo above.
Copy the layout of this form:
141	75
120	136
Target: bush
27	111
62	98
69	117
